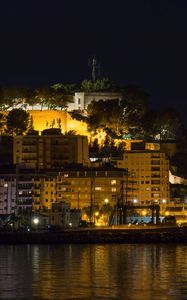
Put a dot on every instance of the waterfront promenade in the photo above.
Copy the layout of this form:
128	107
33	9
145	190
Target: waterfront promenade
115	234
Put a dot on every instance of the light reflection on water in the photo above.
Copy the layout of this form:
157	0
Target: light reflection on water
140	272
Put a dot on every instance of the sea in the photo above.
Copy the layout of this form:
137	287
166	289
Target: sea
94	271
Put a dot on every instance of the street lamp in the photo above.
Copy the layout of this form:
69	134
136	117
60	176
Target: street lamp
164	201
36	221
7	204
135	201
96	215
106	200
144	212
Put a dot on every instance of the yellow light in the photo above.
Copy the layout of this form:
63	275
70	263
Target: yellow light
106	200
167	213
144	212
96	213
35	221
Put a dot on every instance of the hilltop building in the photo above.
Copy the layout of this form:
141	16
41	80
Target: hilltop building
81	100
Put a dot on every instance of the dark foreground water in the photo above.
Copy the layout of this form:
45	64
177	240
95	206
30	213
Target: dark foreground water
137	271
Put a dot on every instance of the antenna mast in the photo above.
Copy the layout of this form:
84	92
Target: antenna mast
95	67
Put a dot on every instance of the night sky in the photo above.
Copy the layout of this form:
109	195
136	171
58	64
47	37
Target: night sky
135	41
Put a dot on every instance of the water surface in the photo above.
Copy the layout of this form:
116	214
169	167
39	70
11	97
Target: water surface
112	271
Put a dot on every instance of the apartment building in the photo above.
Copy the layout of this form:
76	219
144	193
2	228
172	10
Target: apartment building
7	195
148	177
15	193
81	189
50	151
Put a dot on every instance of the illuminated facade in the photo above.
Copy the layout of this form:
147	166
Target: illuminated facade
148	179
81	189
50	151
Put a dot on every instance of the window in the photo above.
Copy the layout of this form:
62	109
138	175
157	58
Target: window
113	189
79	101
155	189
155	162
155	168
98	188
155	195
113	182
155	181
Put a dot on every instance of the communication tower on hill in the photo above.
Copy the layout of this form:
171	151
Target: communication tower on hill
95	68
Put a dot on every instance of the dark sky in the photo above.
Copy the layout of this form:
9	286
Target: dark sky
141	42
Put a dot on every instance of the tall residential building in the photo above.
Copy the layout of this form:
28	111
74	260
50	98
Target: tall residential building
50	151
148	179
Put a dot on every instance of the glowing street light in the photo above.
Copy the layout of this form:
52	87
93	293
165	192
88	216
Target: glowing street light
106	200
36	221
135	201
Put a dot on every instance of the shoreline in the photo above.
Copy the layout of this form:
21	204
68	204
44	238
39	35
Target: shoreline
97	236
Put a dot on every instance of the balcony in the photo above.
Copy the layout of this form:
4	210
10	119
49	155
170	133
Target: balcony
29	143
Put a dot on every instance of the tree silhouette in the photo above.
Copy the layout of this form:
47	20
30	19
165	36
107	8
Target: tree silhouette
18	121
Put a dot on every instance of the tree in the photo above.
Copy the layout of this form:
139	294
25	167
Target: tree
135	105
87	86
101	84
2	123
18	122
30	97
150	124
170	124
107	115
165	124
53	97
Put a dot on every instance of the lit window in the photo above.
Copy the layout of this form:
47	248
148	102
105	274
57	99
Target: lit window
113	182
66	175
98	188
113	189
